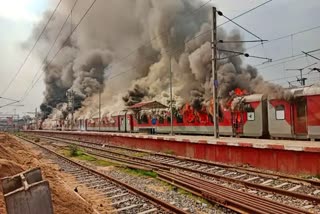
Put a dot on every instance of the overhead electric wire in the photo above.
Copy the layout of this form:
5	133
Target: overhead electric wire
67	39
33	82
238	16
31	50
9	104
286	36
282	78
8	99
243	28
292	58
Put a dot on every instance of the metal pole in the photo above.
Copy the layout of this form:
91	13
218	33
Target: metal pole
36	118
214	73
171	109
99	110
14	120
18	121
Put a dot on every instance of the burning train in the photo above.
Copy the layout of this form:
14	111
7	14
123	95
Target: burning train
93	64
242	115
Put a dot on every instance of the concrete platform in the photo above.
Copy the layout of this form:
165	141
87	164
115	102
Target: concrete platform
288	156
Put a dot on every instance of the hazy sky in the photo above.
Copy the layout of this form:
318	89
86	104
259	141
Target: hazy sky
275	19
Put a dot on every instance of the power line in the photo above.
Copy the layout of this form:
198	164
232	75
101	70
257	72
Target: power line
33	82
64	43
221	14
31	50
292	58
282	78
8	99
238	16
244	13
286	36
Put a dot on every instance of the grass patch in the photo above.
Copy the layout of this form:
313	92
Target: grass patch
79	154
310	176
140	172
169	152
139	154
74	151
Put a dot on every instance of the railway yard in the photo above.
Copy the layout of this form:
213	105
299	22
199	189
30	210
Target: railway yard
115	179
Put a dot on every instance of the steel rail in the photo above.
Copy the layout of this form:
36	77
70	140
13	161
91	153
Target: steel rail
156	164
150	198
230	196
290	177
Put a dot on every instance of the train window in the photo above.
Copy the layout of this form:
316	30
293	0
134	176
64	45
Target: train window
301	109
144	119
248	108
161	120
179	118
250	112
251	116
169	119
280	115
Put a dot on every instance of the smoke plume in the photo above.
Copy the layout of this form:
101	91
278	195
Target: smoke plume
102	56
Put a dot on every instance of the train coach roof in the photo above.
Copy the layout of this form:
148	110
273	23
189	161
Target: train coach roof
253	97
307	91
147	105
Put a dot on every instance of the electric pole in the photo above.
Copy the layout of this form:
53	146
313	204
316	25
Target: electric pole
36	118
99	110
302	79
214	73
170	84
70	96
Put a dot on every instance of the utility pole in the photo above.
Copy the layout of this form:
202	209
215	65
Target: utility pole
214	73
36	118
302	79
171	109
99	110
14	120
70	96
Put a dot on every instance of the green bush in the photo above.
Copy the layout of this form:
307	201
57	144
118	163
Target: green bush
74	151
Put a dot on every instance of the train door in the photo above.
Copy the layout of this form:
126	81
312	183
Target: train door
237	122
129	123
300	116
122	123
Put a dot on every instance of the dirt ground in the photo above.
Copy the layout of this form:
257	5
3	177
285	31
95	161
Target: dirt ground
16	157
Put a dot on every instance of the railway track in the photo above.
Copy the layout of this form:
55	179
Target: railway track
287	185
122	197
250	179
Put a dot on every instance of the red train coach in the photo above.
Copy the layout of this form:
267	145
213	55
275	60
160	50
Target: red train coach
247	117
298	118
